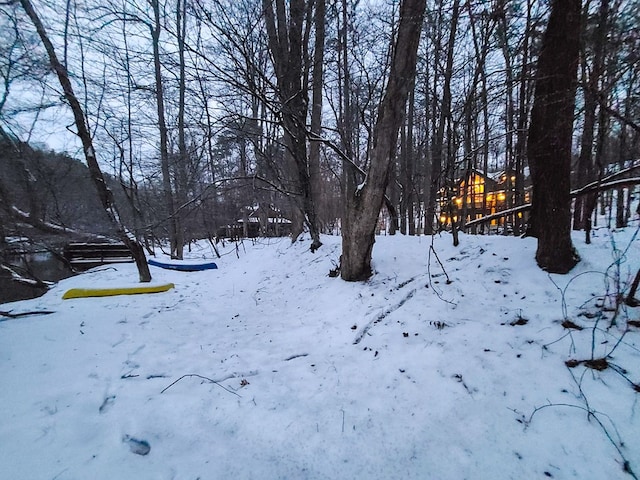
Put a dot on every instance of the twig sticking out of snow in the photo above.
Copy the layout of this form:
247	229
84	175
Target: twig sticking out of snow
203	378
437	292
593	414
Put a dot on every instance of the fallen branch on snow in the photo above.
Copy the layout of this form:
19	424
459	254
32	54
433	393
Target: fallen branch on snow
25	314
203	378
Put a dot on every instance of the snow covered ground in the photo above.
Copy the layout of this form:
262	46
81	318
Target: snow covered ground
268	368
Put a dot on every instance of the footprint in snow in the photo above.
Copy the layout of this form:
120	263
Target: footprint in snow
107	403
139	447
499	275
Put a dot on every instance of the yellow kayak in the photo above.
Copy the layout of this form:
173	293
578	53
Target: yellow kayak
108	292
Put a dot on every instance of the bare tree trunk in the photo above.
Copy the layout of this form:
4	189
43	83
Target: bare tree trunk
285	33
523	116
394	197
623	216
361	214
437	150
409	192
550	135
503	33
316	107
621	220
484	99
106	196
181	163
403	178
162	126
346	118
433	172
129	185
591	200
586	169
407	169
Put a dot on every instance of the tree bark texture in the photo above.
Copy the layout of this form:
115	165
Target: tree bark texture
106	196
285	33
550	138
364	204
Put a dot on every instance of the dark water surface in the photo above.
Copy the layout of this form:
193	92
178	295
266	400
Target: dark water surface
42	265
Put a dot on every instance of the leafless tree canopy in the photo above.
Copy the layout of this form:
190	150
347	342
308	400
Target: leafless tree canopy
229	118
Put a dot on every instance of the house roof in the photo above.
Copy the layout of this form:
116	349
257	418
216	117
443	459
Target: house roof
274	215
488	180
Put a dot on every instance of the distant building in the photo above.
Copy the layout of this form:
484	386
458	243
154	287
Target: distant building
480	195
261	221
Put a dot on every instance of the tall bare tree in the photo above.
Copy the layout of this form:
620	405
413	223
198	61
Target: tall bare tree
550	138
365	201
444	118
287	44
174	226
316	103
181	161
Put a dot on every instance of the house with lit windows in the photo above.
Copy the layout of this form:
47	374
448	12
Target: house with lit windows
480	195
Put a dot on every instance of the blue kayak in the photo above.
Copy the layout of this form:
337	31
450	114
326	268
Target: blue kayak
183	267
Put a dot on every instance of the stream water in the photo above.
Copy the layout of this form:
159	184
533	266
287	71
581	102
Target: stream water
41	265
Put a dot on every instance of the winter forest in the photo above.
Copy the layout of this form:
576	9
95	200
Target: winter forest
319	239
226	119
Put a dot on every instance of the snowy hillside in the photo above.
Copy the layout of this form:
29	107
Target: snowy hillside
268	368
